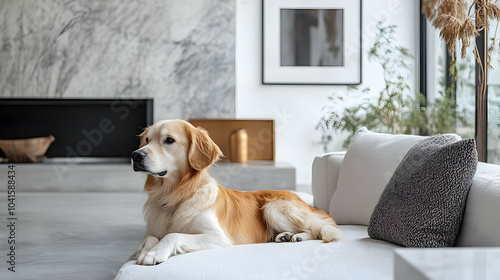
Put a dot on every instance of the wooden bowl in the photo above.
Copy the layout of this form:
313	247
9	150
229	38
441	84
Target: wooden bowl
26	150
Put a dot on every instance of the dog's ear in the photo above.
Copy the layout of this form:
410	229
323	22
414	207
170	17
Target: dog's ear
203	151
142	138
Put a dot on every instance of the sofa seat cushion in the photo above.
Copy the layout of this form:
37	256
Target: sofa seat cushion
356	256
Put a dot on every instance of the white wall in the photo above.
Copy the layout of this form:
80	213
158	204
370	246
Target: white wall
297	108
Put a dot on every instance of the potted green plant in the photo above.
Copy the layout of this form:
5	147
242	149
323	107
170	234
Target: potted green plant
396	109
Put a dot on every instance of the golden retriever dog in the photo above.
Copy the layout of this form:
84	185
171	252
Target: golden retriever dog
187	210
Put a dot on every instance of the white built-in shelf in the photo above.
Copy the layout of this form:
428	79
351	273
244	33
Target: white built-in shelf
117	175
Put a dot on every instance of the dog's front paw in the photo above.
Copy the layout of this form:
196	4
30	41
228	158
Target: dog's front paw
146	245
156	255
150	258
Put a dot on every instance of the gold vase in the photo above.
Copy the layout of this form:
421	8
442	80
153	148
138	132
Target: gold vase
239	145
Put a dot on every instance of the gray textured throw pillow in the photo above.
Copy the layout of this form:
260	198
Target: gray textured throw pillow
423	203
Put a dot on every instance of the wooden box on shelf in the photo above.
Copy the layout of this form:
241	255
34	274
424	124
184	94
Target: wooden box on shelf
260	135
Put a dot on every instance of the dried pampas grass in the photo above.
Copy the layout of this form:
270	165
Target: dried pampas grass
465	33
460	24
429	9
493	11
433	8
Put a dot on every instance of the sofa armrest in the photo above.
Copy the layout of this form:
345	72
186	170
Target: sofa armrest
325	174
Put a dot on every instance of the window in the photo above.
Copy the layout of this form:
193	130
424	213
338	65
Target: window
439	77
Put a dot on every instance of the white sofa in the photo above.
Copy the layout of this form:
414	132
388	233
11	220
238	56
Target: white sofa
356	256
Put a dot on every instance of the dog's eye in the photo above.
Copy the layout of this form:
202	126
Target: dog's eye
169	140
147	140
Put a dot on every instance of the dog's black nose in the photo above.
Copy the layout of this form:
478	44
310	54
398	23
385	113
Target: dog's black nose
138	156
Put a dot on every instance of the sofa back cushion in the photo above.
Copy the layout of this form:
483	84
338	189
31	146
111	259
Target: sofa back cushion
481	221
369	163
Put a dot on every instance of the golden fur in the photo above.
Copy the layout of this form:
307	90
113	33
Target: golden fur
187	210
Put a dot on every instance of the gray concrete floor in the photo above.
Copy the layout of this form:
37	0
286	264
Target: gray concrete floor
65	235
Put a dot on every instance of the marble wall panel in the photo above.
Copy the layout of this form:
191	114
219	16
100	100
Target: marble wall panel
179	52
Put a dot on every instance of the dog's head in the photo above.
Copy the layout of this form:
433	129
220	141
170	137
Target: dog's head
169	149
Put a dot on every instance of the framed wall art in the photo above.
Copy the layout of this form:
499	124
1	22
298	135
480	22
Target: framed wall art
311	42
